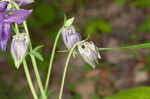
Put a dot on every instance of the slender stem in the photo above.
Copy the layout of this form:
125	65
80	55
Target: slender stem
32	57
35	65
17	28
29	79
65	70
51	60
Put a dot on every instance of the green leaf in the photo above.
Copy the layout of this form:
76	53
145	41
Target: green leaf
38	55
145	45
38	48
145	27
146	67
43	13
132	93
120	1
72	89
141	3
69	21
94	96
96	26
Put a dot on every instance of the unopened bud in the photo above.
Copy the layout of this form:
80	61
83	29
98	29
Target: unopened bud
19	47
70	36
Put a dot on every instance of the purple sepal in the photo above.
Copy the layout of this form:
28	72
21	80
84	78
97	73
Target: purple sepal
24	2
70	36
3	44
3	6
18	16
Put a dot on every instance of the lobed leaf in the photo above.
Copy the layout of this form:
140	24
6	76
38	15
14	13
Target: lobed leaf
38	56
38	48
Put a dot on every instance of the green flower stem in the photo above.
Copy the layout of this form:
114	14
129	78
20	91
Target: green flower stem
17	28
144	45
51	59
32	57
35	65
65	69
29	79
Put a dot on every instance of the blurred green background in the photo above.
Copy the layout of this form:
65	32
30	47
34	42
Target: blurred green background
121	74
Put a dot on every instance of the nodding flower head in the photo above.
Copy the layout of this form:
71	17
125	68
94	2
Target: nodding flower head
89	52
18	16
70	36
19	48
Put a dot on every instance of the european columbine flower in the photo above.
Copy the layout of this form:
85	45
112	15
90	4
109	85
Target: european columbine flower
21	2
89	52
24	2
18	17
19	47
70	36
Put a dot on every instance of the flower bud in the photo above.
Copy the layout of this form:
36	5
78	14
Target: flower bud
19	47
70	36
89	52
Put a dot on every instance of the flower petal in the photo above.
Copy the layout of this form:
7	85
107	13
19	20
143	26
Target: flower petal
3	44
24	2
3	6
1	30
18	16
5	34
7	30
70	36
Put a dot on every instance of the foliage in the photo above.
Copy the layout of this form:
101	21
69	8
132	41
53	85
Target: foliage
145	27
97	26
8	92
36	53
43	13
141	3
120	1
72	89
132	93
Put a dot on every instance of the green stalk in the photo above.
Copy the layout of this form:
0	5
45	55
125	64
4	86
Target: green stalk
65	69
17	28
51	60
29	79
32	57
35	65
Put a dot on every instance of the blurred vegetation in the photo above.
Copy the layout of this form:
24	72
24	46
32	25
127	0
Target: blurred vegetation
132	93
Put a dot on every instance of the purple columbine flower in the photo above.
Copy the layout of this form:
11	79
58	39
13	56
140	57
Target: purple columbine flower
6	20
89	52
70	36
19	48
24	2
